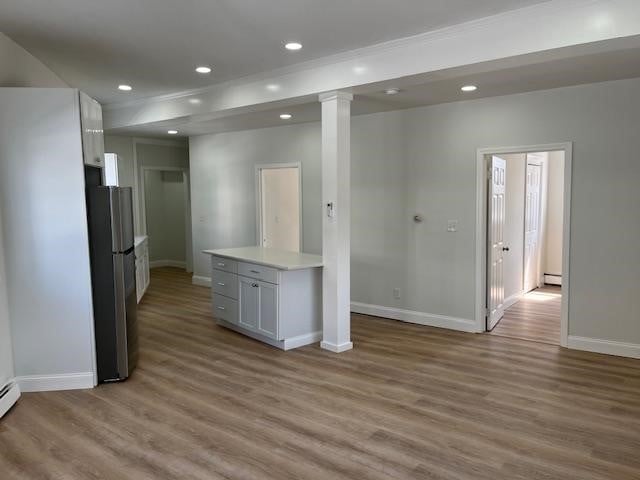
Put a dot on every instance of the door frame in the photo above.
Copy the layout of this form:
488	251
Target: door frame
187	204
258	183
481	228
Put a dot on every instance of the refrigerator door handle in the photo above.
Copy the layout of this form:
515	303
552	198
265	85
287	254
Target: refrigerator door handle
121	315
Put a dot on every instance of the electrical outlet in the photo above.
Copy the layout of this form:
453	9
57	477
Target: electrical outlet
452	226
396	293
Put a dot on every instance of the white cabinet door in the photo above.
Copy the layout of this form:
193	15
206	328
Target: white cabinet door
258	306
146	268
249	293
92	135
139	280
268	309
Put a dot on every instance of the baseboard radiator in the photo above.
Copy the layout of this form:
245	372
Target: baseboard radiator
552	279
9	395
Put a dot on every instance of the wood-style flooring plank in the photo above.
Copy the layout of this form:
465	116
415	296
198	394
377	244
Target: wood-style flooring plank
409	402
535	317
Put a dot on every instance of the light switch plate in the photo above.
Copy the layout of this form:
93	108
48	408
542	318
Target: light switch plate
452	226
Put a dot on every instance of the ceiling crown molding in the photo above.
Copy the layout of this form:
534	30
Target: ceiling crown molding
558	24
533	12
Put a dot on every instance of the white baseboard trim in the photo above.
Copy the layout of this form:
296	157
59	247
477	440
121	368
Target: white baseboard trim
608	347
46	383
201	281
332	347
421	318
9	397
302	340
513	299
167	263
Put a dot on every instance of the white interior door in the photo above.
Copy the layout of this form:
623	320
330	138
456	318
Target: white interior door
532	226
495	241
280	208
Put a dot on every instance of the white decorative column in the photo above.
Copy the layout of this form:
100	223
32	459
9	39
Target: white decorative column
336	231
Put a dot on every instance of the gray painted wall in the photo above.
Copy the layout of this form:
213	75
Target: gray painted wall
123	147
431	168
223	199
150	153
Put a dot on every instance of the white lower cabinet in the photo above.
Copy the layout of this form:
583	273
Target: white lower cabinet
284	311
258	306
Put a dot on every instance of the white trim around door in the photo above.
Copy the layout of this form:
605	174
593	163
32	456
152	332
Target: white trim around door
481	229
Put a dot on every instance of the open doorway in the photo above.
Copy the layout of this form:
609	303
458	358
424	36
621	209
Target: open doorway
279	209
165	197
526	262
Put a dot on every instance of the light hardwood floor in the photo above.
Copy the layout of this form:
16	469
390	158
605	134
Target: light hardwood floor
409	402
536	317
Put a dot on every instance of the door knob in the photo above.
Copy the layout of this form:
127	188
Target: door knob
505	249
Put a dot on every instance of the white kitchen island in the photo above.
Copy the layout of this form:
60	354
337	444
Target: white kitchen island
270	295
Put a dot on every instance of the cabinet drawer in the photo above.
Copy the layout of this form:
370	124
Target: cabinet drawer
225	308
224	264
225	283
258	272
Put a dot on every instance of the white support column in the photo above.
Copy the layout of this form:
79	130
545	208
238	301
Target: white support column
336	231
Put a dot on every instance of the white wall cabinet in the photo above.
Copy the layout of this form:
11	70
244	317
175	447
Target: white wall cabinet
279	306
143	274
92	131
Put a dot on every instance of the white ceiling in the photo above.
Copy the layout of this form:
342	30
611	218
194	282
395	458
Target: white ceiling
154	45
492	78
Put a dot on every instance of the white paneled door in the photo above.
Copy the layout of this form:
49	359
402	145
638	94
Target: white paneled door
280	207
532	226
495	240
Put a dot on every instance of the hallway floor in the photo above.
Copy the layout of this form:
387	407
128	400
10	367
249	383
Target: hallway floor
535	318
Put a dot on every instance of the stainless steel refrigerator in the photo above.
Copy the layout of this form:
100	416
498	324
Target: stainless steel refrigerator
110	214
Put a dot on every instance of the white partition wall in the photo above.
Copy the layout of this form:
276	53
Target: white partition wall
42	203
6	352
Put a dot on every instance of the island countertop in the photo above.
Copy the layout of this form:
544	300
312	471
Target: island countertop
269	257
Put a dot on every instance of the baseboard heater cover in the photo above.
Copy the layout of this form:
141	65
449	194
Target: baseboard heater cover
552	279
9	395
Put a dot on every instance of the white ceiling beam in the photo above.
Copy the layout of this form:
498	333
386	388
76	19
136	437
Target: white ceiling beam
553	25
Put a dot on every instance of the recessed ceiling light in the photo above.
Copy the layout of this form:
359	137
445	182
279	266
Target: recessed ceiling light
469	88
392	91
125	88
172	132
293	46
286	116
203	69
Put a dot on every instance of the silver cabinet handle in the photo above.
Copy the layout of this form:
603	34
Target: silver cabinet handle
255	285
221	264
255	271
221	284
221	308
